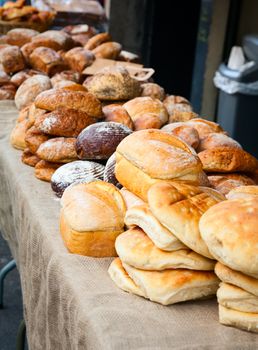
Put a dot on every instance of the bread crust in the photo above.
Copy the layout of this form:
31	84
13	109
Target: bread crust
47	61
116	113
58	150
109	50
11	59
79	58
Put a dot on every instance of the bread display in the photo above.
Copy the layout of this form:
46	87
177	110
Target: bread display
44	170
170	159
58	150
75	172
99	141
153	90
113	84
11	59
64	122
243	191
34	138
20	36
47	61
237	229
79	58
118	114
95	237
29	90
110	50
185	132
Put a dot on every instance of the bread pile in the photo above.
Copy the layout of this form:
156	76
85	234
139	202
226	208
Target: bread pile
230	230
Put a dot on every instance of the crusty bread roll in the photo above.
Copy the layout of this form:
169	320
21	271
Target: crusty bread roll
116	113
94	237
75	172
230	230
226	159
205	127
97	40
79	100
29	158
130	199
4	77
44	170
244	320
17	137
185	132
168	286
58	150
237	298
243	192
141	216
113	84
47	61
54	39
64	122
141	107
18	78
30	89
153	90
136	249
217	140
79	58
11	59
66	75
170	159
34	138
20	36
179	207
236	278
179	108
109	50
224	183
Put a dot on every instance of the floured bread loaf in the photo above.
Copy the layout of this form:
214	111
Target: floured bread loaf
244	320
170	159
243	192
141	216
168	286
79	58
104	205
217	140
47	60
136	249
55	39
237	298
75	172
230	230
58	150
236	278
34	138
130	199
175	104
29	158
179	208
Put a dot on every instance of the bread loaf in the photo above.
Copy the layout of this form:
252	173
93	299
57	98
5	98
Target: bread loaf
78	100
47	60
79	58
205	127
224	183
58	150
128	57
4	77
54	39
34	138
30	89
17	137
44	170
66	75
116	113
97	40
34	113
176	103
7	91
185	132
153	90
75	172
18	78
109	50
11	59
217	140
20	36
29	158
99	141
95	237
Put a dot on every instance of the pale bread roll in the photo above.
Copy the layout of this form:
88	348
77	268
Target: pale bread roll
237	298
244	320
130	199
174	286
230	230
243	192
136	249
179	207
226	274
142	217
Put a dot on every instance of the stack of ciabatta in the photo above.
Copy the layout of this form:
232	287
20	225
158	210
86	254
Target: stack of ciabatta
230	230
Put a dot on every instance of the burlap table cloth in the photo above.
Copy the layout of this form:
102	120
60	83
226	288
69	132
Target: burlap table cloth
69	300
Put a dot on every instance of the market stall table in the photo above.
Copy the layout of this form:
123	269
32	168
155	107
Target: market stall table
69	300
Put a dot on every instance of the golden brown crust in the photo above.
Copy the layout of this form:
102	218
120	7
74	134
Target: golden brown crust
116	113
109	50
54	39
58	150
29	158
182	116
34	113
23	114
217	140
97	40
34	138
205	127
47	60
20	36
18	78
7	91
44	170
185	132
147	121
153	90
79	100
225	159
79	58
224	183
11	59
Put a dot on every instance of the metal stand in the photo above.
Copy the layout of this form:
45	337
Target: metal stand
20	340
3	272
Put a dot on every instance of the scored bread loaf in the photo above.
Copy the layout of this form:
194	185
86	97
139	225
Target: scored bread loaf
58	150
94	237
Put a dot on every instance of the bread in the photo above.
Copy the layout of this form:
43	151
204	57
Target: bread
17	137
4	77
185	132
141	216
243	192
179	104
65	122
99	141
244	320
110	50
28	48
224	183
79	58
7	91
29	90
54	39
97	40
170	159
140	108
47	61
226	159
34	113
58	150
236	278
230	230
75	172
173	286
18	78
79	100
116	113
20	36
109	172
44	170
205	127
29	158
136	249
217	140
179	208
130	199
23	114
11	59
95	237
113	84
153	90
66	75
180	115
34	138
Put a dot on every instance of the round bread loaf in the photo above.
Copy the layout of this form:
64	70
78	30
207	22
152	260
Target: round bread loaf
76	172
99	141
